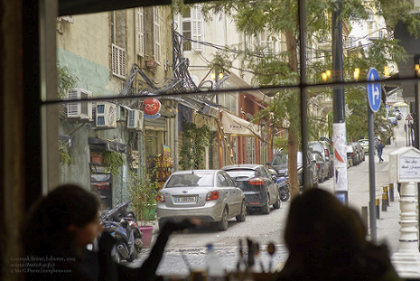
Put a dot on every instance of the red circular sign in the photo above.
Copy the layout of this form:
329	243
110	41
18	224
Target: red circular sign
151	106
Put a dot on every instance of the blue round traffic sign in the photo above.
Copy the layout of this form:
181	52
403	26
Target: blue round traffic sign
373	90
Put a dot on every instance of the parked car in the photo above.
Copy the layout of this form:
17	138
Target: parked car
322	166
258	185
365	145
324	148
360	151
352	155
311	168
280	163
210	195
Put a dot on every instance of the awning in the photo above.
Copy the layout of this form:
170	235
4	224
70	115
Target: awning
236	126
399	104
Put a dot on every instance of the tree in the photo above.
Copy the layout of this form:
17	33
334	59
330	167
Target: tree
280	17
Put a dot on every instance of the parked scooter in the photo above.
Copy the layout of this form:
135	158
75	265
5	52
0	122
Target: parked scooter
283	185
123	227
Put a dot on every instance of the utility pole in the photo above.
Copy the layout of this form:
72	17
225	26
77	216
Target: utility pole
339	126
303	90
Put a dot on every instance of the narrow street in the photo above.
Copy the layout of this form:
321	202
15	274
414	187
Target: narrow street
266	228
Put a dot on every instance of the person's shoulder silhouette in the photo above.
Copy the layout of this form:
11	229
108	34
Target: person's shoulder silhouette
327	241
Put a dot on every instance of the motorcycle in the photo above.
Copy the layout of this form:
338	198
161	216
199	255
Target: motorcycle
123	227
283	185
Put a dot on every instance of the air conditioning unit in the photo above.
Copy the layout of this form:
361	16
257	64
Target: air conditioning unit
80	110
121	114
135	119
106	115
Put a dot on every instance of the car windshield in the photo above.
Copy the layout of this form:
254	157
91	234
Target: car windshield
280	160
315	147
193	179
239	173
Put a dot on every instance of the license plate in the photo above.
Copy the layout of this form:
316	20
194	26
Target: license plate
185	199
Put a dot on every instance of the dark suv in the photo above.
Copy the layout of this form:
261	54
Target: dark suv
257	184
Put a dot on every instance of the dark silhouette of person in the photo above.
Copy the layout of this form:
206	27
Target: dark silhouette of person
327	241
58	229
379	148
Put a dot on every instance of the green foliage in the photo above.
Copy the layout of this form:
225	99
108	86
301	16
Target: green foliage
193	147
65	81
65	158
357	118
113	160
143	194
280	143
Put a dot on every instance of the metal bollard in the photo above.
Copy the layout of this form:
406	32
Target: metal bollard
385	190
391	192
377	208
384	201
365	215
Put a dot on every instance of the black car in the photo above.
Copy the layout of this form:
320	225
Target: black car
257	184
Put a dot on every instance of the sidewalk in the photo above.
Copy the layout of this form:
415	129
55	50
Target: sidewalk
387	226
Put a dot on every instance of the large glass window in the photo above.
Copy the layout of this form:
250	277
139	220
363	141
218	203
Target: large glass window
144	100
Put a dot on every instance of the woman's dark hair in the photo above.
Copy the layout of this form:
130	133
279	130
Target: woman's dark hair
46	228
328	239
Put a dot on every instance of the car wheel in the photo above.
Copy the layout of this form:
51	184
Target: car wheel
278	203
161	224
242	216
223	223
266	208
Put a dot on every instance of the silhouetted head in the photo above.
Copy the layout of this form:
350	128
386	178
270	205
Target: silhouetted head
319	227
62	222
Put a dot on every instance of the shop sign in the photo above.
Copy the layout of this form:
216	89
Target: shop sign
151	108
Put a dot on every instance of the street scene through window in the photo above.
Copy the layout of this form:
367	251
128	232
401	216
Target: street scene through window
222	112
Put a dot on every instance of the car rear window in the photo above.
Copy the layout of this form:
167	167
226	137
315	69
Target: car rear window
192	180
241	173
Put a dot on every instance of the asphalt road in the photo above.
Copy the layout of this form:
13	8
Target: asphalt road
269	228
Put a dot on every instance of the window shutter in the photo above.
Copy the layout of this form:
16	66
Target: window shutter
197	22
156	34
140	31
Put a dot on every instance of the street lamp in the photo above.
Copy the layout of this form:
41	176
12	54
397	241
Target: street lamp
356	73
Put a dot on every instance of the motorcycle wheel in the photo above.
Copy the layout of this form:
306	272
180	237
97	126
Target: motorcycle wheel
284	196
138	244
133	255
115	255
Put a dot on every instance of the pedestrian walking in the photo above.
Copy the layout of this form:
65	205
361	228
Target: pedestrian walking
379	148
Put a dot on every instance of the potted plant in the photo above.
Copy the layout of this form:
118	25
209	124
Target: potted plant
143	194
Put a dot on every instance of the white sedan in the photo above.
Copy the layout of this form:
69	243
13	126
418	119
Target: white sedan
209	195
